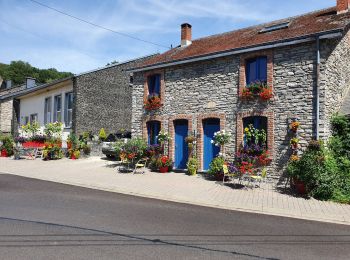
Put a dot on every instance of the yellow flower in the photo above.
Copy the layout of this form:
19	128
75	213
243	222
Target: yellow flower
246	129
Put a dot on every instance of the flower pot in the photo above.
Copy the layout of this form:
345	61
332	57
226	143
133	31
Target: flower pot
73	157
163	169
4	153
299	186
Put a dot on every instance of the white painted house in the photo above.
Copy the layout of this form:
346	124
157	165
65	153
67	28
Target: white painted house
46	103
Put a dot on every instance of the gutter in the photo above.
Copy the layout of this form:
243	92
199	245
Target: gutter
318	58
323	35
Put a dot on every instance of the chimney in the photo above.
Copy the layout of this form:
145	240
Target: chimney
343	6
30	82
8	84
186	34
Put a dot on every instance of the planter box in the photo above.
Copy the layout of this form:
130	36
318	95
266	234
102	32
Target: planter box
3	153
33	144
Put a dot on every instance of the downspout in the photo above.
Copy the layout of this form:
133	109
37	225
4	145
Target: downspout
318	88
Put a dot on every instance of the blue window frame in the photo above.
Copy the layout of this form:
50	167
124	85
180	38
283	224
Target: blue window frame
153	129
154	85
256	70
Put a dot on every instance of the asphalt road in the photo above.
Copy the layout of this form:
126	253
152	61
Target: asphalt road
45	220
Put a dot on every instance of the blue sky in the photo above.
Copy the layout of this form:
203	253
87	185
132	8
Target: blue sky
47	39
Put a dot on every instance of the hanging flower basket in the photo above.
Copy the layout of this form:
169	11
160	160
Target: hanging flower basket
294	126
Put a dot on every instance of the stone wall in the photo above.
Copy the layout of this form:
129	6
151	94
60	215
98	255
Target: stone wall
103	99
212	88
6	110
335	78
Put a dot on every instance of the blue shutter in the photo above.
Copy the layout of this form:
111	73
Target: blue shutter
262	69
251	71
157	84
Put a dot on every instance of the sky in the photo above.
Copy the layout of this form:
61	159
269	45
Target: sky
48	39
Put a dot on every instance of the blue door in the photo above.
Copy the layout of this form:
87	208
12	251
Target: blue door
181	148
210	151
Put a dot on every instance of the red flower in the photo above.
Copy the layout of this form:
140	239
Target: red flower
164	159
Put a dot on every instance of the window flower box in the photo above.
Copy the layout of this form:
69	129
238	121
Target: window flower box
153	102
257	90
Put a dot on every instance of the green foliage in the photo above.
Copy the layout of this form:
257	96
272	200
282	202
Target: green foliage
326	172
31	128
215	166
7	144
53	129
192	166
102	134
17	71
136	146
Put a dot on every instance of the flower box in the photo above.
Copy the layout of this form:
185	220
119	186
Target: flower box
257	90
152	103
33	144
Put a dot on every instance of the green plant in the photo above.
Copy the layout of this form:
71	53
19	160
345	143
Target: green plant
72	141
76	154
7	144
163	137
253	135
164	161
192	166
31	128
221	138
53	129
135	148
215	167
102	135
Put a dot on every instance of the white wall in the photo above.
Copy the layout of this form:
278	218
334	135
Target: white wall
35	104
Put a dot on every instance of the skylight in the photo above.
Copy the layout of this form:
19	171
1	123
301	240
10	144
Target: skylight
275	27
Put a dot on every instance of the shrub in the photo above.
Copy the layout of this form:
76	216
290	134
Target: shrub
192	166
102	135
7	144
215	167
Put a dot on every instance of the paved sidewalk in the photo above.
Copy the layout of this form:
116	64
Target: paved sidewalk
100	174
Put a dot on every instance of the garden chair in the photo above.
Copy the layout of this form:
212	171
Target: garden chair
141	164
227	173
259	178
124	165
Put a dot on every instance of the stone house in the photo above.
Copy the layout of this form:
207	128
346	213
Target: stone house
88	101
201	84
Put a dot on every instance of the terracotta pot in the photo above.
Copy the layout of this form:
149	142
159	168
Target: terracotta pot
33	144
73	157
163	169
299	186
4	153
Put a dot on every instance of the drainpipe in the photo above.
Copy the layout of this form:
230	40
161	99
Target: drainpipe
318	88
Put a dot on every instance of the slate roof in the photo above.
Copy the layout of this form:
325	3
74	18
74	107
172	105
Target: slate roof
310	24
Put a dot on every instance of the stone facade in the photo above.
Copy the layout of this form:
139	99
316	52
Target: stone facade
212	89
103	99
7	115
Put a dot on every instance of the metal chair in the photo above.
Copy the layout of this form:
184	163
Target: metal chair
141	164
227	173
260	177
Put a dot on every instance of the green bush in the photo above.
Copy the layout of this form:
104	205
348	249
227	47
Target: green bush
192	166
7	144
215	167
102	135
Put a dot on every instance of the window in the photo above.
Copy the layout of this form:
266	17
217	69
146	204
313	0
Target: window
275	27
68	109
47	113
154	85
153	129
258	122
33	118
256	70
57	116
26	120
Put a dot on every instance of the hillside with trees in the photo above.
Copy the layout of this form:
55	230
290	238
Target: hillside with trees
17	71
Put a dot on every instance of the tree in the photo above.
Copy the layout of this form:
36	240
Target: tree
17	71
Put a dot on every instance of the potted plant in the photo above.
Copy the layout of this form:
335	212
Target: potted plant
192	166
294	126
7	146
153	102
257	89
102	135
163	163
294	143
216	168
220	139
